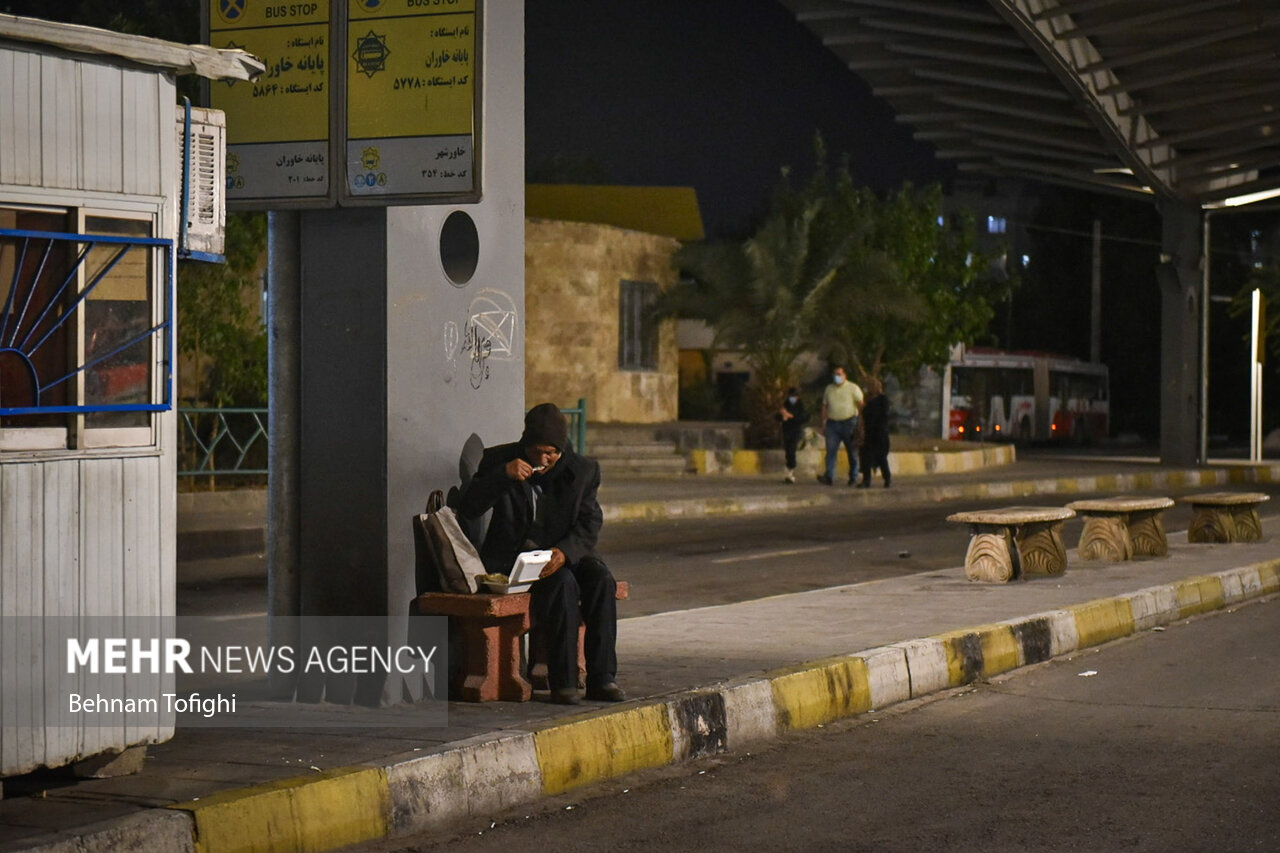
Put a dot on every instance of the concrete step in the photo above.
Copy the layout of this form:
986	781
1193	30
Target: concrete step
642	465
619	434
230	540
210	570
631	449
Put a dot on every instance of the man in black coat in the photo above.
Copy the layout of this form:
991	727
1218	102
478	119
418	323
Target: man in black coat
543	497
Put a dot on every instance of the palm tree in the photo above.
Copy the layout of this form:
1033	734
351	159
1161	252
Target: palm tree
762	295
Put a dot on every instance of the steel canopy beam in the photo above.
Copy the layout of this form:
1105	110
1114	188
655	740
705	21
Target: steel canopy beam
1066	58
1173	92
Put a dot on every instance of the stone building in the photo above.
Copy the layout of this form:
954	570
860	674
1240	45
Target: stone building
595	259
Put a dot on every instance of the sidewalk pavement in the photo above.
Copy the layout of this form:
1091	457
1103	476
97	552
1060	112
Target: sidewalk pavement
706	681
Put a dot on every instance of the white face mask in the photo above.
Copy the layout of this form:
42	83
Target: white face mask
838	379
792	400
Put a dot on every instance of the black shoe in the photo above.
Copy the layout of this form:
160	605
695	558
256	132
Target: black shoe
568	696
824	479
609	692
864	485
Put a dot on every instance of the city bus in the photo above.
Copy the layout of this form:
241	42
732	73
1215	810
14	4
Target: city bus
994	395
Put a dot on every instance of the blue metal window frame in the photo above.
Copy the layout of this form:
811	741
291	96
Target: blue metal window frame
167	295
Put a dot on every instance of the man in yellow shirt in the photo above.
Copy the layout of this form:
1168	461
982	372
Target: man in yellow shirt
841	403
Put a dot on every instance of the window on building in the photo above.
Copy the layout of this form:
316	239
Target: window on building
997	225
637	328
83	329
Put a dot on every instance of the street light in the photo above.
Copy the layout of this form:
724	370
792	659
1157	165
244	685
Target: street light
1257	357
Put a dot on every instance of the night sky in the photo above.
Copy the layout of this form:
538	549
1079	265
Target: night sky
714	94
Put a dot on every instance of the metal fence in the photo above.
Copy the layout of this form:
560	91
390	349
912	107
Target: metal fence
578	425
222	442
229	442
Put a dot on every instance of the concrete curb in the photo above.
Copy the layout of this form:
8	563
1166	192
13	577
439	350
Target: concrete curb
418	791
811	460
677	508
1105	483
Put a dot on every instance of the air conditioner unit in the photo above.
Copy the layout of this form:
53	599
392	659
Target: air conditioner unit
202	159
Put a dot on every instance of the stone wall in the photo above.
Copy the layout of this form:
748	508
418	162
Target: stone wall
573	275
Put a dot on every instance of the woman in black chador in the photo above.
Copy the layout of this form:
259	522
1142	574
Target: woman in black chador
875	437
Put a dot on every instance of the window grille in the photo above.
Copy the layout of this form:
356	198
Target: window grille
637	327
83	325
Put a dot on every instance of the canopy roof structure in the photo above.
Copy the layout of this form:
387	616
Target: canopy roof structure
1180	100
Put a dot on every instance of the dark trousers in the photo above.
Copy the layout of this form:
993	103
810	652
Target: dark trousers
875	455
583	593
842	432
790	441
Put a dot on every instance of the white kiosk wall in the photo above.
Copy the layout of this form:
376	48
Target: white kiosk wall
89	140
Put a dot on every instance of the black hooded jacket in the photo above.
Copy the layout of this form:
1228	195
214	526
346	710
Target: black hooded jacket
569	509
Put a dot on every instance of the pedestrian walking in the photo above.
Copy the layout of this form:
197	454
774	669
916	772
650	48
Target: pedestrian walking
841	402
875	433
793	416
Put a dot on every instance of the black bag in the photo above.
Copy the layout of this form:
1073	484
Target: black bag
446	561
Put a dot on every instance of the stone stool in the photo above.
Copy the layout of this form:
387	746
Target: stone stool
1007	543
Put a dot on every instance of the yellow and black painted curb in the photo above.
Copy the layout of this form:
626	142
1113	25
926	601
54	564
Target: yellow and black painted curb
486	774
676	507
909	463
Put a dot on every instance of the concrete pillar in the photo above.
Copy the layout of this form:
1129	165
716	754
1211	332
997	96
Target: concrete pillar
284	289
1180	277
412	350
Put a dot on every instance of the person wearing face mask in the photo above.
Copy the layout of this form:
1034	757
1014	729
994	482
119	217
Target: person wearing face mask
793	416
841	402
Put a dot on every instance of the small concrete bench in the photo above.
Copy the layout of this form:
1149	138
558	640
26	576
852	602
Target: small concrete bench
1121	528
1007	543
492	628
1225	516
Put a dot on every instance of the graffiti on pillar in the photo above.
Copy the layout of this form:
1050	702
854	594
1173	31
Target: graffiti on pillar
480	348
487	335
452	340
493	313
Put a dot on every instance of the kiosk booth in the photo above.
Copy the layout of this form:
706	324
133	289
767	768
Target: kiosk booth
94	212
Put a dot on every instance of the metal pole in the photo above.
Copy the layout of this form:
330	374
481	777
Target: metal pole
1095	315
1205	260
1255	382
284	342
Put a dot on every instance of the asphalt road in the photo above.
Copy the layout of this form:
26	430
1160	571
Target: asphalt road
674	565
1167	741
700	562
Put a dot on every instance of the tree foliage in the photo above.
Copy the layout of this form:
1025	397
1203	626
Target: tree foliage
835	270
762	296
912	287
174	20
219	327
